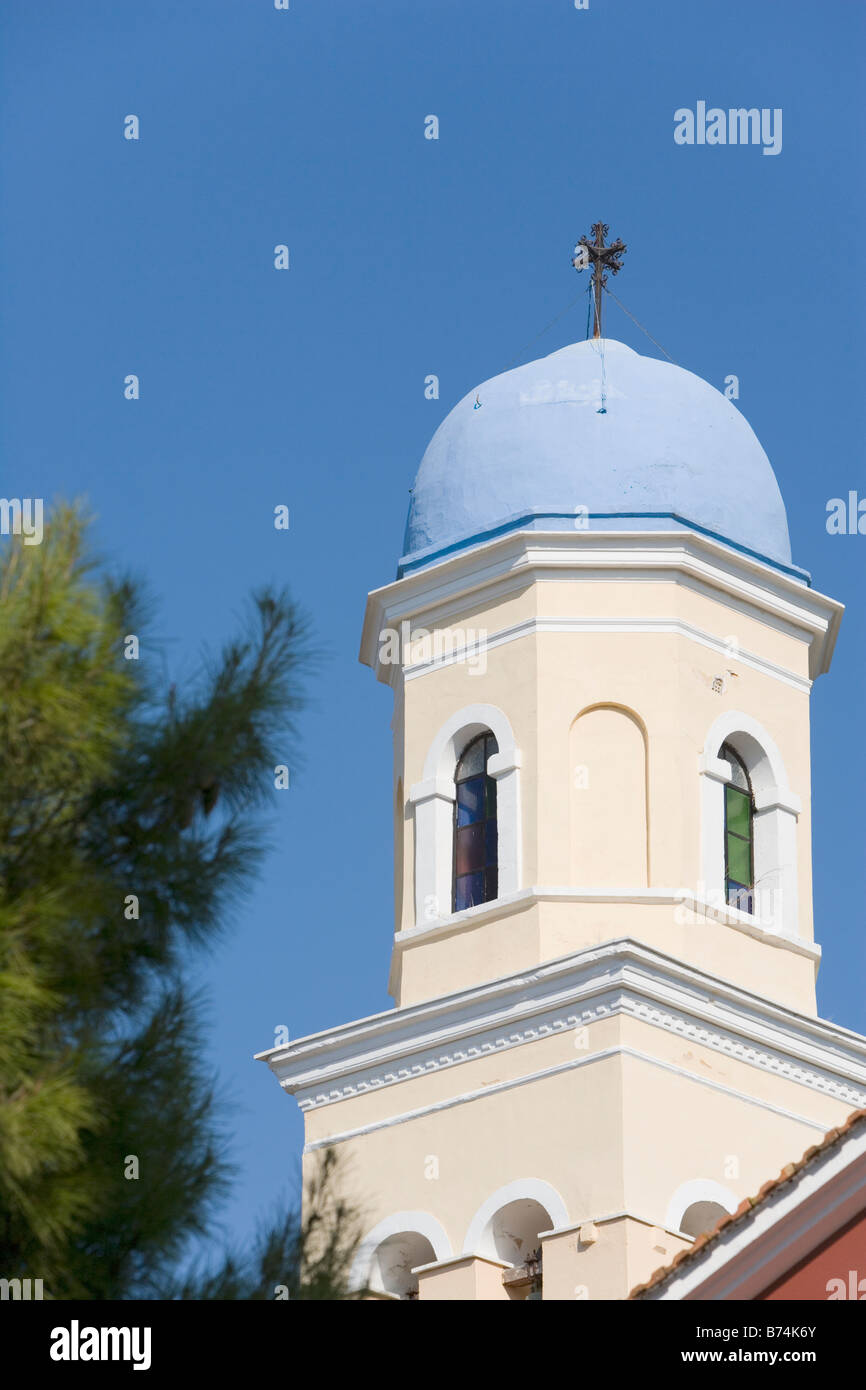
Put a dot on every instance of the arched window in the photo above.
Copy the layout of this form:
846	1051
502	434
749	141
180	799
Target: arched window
739	834
475	835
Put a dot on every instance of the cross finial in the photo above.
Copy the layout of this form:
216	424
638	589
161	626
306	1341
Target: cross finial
601	258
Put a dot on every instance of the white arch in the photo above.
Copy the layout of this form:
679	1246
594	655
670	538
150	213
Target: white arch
419	1222
775	828
697	1190
531	1189
760	752
457	731
433	803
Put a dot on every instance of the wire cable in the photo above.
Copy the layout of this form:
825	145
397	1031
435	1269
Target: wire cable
544	330
640	325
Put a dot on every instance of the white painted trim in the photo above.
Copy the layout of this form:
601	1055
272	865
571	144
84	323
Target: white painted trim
775	821
624	1215
456	732
544	1073
461	1259
509	563
433	801
530	627
768	773
619	976
530	1189
410	1222
697	1190
716	911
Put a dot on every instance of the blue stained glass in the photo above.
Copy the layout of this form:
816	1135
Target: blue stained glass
475	834
492	840
470	801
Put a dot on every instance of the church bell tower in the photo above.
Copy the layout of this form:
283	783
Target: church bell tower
605	1030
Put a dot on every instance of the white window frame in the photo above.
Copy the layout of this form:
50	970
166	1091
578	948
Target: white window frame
433	798
775	820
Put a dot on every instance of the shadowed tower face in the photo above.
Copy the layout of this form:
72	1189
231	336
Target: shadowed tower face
604	1033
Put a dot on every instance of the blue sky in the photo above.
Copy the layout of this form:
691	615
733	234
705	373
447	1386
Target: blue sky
408	257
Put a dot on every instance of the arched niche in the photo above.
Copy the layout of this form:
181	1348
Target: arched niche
701	1218
508	1224
395	1261
608	798
698	1205
390	1253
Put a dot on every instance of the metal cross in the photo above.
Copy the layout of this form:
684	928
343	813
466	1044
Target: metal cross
601	258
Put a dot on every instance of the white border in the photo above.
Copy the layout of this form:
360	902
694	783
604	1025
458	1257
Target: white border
399	1223
478	1239
432	801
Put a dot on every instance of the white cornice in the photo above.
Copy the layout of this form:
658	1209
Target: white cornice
619	977
527	1079
531	626
511	562
524	898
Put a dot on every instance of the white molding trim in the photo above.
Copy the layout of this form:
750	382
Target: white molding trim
775	821
626	1214
509	563
621	976
460	1259
697	1190
769	774
530	627
433	803
694	900
787	1226
409	1222
478	1238
542	1074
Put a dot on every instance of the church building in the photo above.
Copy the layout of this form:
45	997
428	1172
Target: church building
604	1034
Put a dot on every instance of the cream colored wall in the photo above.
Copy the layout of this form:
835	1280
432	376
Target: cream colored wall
489	1142
491	945
544	682
622	1253
470	1280
616	1115
608	811
617	1134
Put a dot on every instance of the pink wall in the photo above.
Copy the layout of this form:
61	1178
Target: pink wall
843	1257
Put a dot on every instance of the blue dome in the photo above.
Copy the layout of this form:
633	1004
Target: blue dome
531	447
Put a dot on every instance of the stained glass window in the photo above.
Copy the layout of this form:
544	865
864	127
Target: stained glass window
475	836
739	837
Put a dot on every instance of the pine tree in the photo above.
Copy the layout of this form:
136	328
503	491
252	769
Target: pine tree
131	818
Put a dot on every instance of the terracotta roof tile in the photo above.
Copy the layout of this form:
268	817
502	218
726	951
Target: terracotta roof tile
748	1205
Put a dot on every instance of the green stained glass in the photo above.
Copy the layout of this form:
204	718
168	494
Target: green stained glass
738	808
739	860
